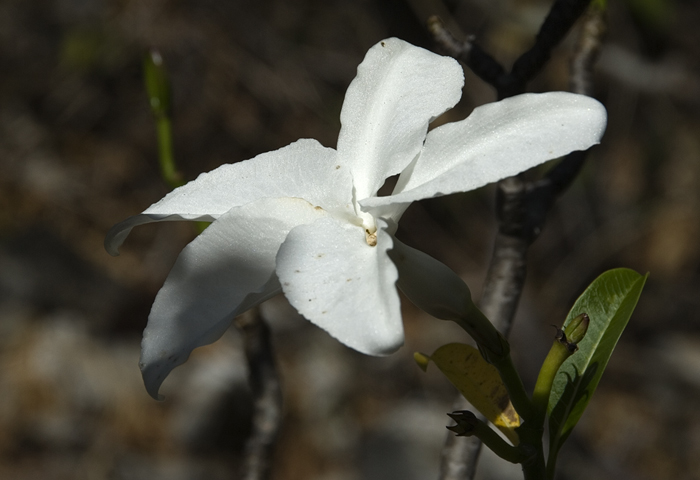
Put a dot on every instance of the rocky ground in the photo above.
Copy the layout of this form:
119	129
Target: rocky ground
78	154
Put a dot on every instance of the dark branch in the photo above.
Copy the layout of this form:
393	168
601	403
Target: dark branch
587	50
521	207
267	396
542	194
506	273
468	52
559	21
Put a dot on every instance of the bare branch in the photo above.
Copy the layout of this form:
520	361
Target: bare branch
543	193
521	207
587	50
506	273
559	21
267	396
468	52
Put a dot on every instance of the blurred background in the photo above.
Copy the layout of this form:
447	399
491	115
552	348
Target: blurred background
78	154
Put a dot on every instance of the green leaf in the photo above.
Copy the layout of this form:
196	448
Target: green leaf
480	384
609	302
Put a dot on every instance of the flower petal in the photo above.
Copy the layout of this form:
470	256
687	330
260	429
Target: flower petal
398	90
499	140
304	169
390	213
336	280
436	289
224	271
430	284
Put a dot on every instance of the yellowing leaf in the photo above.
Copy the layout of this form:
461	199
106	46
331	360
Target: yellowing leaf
422	360
480	384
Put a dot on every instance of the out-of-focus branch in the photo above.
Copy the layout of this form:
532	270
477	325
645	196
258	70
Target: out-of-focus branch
521	207
559	21
468	52
542	194
267	396
588	48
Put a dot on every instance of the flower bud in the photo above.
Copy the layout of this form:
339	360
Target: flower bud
573	333
577	328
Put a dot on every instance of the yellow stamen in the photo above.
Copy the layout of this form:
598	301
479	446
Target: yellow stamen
371	238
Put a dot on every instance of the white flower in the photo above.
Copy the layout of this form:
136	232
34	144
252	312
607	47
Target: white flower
306	220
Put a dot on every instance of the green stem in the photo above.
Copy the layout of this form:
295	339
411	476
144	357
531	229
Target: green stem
551	463
469	425
565	345
540	396
166	158
496	350
514	384
531	442
499	446
492	344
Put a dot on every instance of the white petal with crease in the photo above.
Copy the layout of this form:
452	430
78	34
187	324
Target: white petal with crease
304	169
398	90
336	280
224	271
499	140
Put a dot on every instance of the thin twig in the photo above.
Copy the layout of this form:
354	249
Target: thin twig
543	193
521	207
267	396
587	50
468	52
559	21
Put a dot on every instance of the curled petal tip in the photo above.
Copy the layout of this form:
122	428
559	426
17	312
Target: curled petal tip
153	377
112	242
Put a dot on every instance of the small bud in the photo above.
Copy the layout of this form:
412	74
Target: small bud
577	328
466	423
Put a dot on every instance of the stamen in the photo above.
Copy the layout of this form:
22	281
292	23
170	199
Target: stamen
371	238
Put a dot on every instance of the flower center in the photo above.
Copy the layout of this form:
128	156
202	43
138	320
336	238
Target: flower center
370	227
371	238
